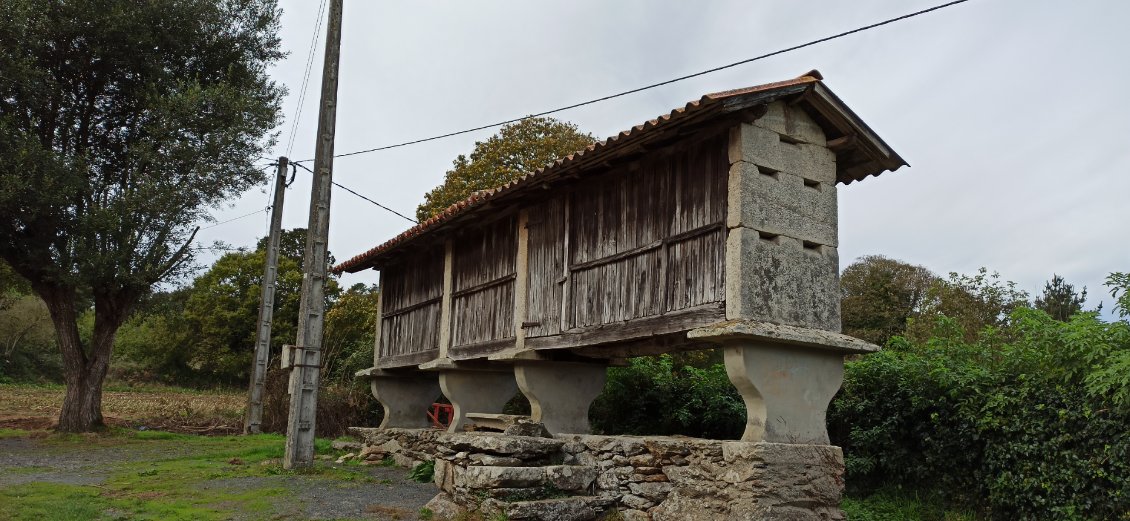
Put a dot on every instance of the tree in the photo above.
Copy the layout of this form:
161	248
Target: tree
972	302
879	295
350	326
222	308
12	286
518	149
121	125
1119	284
1060	300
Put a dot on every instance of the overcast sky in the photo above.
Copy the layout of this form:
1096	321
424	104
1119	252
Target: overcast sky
1011	113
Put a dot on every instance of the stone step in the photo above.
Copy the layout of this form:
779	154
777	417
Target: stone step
521	447
495	422
560	477
573	508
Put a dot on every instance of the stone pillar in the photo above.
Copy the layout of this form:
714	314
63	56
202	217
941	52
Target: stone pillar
787	375
560	393
404	397
782	264
786	390
474	391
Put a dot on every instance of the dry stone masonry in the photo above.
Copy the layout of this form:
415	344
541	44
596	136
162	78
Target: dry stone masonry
585	477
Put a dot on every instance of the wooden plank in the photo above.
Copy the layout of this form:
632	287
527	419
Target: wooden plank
675	322
445	305
484	315
546	265
378	323
521	278
411	308
481	349
408	360
486	285
566	322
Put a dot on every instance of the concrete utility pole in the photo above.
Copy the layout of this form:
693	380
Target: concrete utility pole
266	308
307	359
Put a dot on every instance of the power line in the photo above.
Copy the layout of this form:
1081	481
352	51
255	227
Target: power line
350	190
654	85
237	218
218	248
306	76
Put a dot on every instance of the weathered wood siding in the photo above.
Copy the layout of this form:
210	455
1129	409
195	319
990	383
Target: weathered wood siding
410	305
546	226
640	240
483	284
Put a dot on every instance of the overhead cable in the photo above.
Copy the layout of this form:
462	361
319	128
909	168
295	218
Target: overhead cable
256	212
653	85
350	190
306	76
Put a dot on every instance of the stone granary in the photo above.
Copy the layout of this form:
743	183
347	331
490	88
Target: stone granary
712	226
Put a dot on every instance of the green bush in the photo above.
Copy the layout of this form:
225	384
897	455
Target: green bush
1024	421
661	395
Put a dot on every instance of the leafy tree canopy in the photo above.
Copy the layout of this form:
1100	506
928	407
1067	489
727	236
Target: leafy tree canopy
971	302
518	149
206	331
879	296
122	125
1060	300
350	327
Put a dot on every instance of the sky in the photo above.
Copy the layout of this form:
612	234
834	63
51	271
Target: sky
1011	113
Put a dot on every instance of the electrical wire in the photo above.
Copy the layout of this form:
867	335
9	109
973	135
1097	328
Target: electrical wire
653	85
350	190
256	212
306	76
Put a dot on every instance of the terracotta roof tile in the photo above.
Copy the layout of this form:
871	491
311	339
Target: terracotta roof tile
367	259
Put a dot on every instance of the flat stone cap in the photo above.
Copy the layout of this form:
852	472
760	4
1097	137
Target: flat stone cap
781	334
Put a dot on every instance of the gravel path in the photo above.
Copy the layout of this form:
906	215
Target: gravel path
386	494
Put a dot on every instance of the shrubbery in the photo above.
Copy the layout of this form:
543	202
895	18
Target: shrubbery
666	395
1024	422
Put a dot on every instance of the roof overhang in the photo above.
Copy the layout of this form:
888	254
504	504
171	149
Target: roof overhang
860	153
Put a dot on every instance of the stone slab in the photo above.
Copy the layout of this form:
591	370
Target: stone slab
777	279
782	203
781	334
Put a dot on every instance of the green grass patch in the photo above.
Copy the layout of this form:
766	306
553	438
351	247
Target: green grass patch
39	501
897	505
14	433
178	482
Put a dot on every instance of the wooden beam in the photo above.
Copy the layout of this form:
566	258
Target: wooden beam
380	319
445	303
641	328
521	278
481	349
407	359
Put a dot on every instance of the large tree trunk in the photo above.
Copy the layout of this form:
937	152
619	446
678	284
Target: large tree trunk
83	369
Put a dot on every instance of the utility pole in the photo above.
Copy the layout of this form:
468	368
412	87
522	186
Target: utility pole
266	308
307	358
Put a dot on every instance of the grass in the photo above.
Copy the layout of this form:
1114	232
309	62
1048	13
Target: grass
175	486
13	433
900	505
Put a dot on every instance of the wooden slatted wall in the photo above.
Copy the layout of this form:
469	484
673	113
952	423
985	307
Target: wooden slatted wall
644	239
410	304
483	284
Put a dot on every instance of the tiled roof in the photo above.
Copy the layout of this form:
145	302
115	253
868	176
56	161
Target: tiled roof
879	157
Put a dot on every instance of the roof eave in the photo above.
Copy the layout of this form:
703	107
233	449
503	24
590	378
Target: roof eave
860	154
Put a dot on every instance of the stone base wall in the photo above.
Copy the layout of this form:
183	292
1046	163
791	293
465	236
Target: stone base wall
580	477
406	447
671	478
